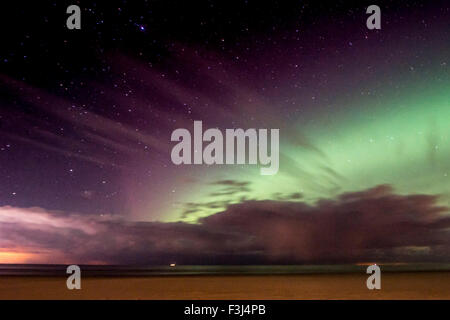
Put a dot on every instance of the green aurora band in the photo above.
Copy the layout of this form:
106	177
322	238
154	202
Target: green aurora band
401	140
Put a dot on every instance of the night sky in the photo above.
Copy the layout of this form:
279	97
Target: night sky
86	118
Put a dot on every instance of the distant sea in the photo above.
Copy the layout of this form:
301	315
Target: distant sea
133	271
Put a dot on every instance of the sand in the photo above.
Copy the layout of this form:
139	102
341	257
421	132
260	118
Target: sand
419	285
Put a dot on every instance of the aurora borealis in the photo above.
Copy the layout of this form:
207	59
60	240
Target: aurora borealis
364	127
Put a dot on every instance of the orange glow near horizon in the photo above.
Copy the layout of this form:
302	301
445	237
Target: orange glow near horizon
15	257
28	255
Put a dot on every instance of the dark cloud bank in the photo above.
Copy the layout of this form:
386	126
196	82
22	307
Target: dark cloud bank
372	225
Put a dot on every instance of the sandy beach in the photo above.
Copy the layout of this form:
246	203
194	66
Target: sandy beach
414	285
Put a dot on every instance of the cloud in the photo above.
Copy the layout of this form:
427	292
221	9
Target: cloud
290	196
230	187
369	225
